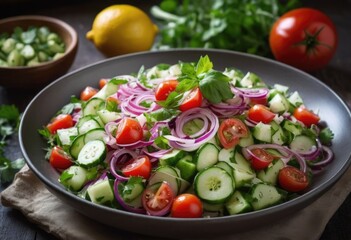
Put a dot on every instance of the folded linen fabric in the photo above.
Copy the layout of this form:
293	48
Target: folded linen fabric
29	195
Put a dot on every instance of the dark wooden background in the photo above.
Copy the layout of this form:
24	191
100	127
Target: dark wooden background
80	15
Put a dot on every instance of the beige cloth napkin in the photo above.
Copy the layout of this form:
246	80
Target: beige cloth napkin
30	196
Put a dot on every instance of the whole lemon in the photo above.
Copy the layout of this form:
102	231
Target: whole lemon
121	29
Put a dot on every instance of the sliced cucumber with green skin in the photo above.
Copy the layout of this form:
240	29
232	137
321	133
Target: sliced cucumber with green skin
270	174
76	146
92	154
226	155
96	134
65	135
109	89
242	177
108	116
294	128
264	195
213	185
303	144
246	141
228	168
92	106
238	204
87	123
134	192
74	178
167	174
262	132
171	158
279	103
242	162
213	207
206	156
101	192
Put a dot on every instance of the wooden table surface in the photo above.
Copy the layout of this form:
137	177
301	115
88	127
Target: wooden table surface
80	15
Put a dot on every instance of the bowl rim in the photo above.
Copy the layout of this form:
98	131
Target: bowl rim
68	28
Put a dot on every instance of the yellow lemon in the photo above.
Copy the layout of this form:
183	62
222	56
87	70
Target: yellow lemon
121	29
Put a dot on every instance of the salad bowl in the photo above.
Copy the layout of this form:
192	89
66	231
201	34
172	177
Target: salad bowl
316	95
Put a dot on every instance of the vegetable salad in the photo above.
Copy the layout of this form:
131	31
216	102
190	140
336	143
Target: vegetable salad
186	141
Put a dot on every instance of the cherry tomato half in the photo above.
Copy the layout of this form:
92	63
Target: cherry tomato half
260	113
128	131
304	38
138	167
292	179
59	158
186	205
306	116
102	82
164	89
61	121
88	93
260	159
158	201
230	131
192	100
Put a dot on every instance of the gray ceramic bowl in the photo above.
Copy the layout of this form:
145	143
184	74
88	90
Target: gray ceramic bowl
316	95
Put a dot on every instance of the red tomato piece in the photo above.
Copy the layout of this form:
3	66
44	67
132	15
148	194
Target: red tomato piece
260	113
260	159
158	201
88	93
304	38
61	121
192	100
128	131
292	179
306	116
187	205
59	158
164	89
230	131
138	167
102	82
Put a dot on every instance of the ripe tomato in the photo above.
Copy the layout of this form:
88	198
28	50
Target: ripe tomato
157	201
306	116
139	166
260	159
59	122
304	38
128	131
59	158
164	89
292	179
260	113
230	131
193	100
88	93
186	205
102	82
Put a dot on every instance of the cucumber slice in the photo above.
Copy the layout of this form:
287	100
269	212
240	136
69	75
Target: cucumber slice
279	104
294	128
242	177
92	154
86	124
107	116
226	155
264	196
171	158
303	144
76	146
101	192
213	185
238	204
263	132
270	174
246	141
65	135
133	192
206	156
109	89
92	106
96	134
74	178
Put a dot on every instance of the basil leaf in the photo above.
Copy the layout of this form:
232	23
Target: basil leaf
204	65
215	87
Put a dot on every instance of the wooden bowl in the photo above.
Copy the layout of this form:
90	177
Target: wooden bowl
34	77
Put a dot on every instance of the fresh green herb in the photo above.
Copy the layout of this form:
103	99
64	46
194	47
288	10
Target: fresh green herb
9	121
326	136
241	25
